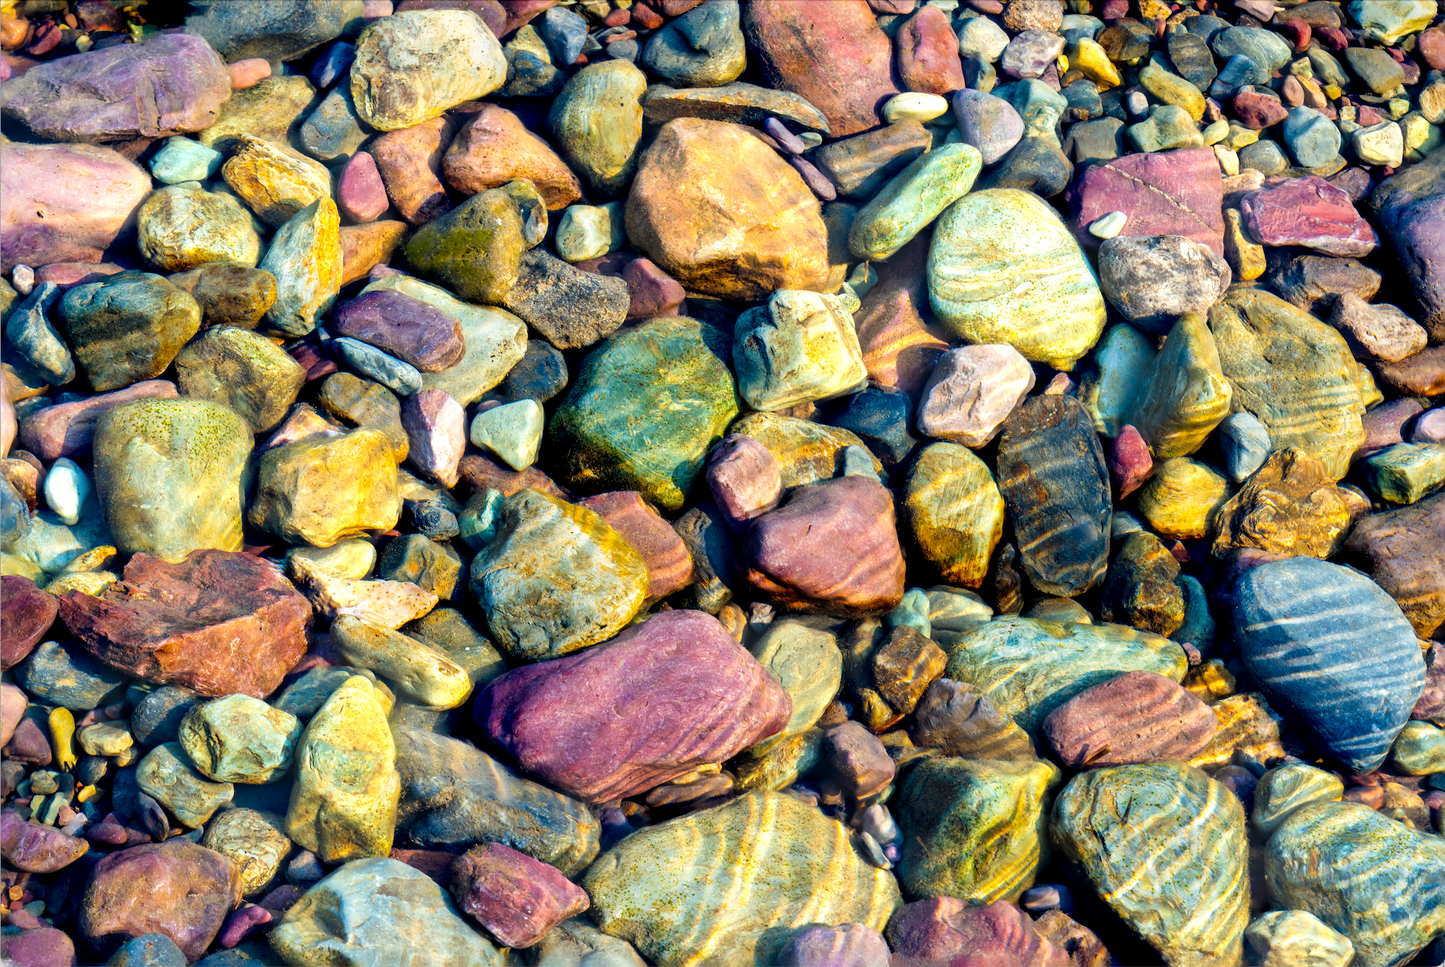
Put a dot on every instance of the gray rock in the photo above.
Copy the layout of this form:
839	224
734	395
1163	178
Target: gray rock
1311	137
1153	279
1244	444
157	717
278	30
702	48
29	330
570	308
68	677
401	378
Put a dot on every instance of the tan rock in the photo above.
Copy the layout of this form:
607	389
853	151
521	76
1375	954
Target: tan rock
409	161
494	148
274	180
366	246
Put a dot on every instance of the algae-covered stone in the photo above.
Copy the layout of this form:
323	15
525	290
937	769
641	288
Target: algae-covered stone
1184	395
955	511
412	66
254	841
1294	938
343	803
1166	848
321	490
181	228
1283	789
305	258
240	739
127	328
167	775
975	830
556	578
1003	268
476	248
1406	472
806	452
808	664
420	673
274	180
171	476
243	371
597	122
913	199
271	111
730	884
645	408
800	347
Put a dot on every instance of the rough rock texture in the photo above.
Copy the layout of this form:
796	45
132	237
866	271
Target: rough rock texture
1165	193
1154	278
413	65
948	930
1310	212
1290	505
517	898
1405	549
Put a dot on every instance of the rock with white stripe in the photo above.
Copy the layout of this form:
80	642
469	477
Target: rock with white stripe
1166	848
1371	878
1332	652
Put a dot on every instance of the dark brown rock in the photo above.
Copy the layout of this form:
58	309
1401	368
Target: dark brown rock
26	614
1140	590
568	307
960	722
1405	551
1422	374
858	760
860	165
1313	281
1134	717
408	328
1431	705
905	667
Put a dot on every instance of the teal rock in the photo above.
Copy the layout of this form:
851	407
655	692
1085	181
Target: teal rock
1028	668
1184	394
512	431
975	830
446	630
183	159
530	71
1376	881
597	123
68	678
168	776
644	409
702	48
590	231
1284	789
1264	47
1419	749
303	697
913	199
305	257
1406	472
1165	847
127	328
400	377
1294	938
1167	127
240	739
1116	371
181	228
807	663
1038	104
29	330
800	347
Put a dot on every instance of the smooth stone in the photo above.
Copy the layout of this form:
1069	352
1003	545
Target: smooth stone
1283	789
35	848
955	512
860	165
333	132
589	231
701	48
409	162
1381	332
1135	717
275	32
475	250
239	739
1183	498
168	775
1294	938
1244	443
881	418
800	347
181	228
157	717
809	666
351	401
29	330
1313	282
517	898
737	102
429	565
44	946
298	497
414	331
1117	369
1153	279
1288	506
988	123
391	603
66	677
912	199
254	842
419	673
1312	138
960	722
539	375
1419	749
914	106
229	293
127	328
274	180
27	615
436	429
242	371
1404	472
846	944
1142	589
669	564
1402	548
271	110
1409	212
569	307
414	65
1184	394
360	192
1307	211
596	121
948	930
744	479
1164	193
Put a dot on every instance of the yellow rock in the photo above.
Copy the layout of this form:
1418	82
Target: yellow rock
62	732
1173	89
86	582
1244	255
1289	506
1246	724
953	507
1185	395
1182	498
422	673
806	452
1087	56
321	490
1210	681
275	181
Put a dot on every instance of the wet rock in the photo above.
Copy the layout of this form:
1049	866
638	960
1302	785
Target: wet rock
1294	936
1164	193
409	162
603	152
229	293
1184	395
305	258
954	510
244	372
1402	548
568	307
1289	506
494	148
255	843
702	48
798	348
413	65
127	328
950	930
1133	718
299	496
963	723
28	613
1151	279
848	943
34	848
167	775
476	248
1309	212
239	739
517	898
1410	213
669	565
275	31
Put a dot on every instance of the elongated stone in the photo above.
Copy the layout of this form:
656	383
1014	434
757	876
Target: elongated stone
1134	717
706	886
1185	395
912	199
963	723
419	672
305	258
1289	506
955	511
1054	478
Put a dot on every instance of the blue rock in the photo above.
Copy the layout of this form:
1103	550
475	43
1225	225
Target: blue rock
401	378
1332	652
333	131
565	32
1311	137
148	950
1267	49
1244	444
881	419
54	675
182	159
333	64
1238	71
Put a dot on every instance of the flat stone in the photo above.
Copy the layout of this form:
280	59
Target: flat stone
1117	369
127	328
1309	212
807	663
860	165
517	898
949	930
744	479
1381	332
1169	193
954	510
737	102
1289	506
961	722
1136	717
1405	472
912	199
28	613
420	673
35	848
460	60
1401	547
167	775
276	32
568	307
353	401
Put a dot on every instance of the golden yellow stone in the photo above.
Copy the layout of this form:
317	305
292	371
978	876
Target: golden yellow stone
1244	255
1182	498
62	732
321	490
1246	724
1210	681
1289	506
1088	57
1185	395
275	181
953	507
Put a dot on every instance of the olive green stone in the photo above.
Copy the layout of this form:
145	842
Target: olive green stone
421	673
476	248
806	452
450	633
781	765
913	199
128	327
167	775
1294	938
240	739
807	663
271	110
241	370
360	402
1184	394
975	830
952	505
255	842
800	347
597	123
321	490
183	227
171	476
644	409
428	564
1116	370
1165	847
229	293
1419	749
1284	789
1406	472
1141	589
728	885
1183	498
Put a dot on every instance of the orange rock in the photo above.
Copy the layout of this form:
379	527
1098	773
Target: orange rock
409	160
494	148
899	348
364	246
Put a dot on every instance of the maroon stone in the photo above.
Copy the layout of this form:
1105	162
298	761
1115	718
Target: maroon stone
653	292
833	547
1297	32
1132	718
109	834
518	899
522	12
243	921
360	194
1431	705
481	473
409	329
1405	549
12	707
283	898
35	848
217	623
41	947
1385	424
859	761
1422	374
1310	212
669	565
68	429
434	863
176	888
657	701
895	7
846	945
744	479
645	17
1411	210
927	53
1165	193
1258	111
28	744
1430	44
26	614
952	932
1129	461
900	348
841	63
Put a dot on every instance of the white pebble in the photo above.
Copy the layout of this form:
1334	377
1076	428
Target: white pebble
23	278
1108	226
914	106
66	487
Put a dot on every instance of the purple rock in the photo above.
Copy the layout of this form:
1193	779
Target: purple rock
1164	193
988	123
947	930
657	701
26	614
41	947
846	945
360	193
517	898
35	848
408	328
816	181
1429	428
1411	210
744	479
786	139
243	922
171	84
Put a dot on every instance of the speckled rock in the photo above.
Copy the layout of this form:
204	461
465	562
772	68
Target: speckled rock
413	65
807	663
476	248
240	739
800	347
242	371
1152	279
180	228
168	776
1131	718
305	258
1282	938
127	328
954	510
255	842
321	490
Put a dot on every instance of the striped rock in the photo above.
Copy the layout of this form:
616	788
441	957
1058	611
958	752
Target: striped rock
963	723
806	452
975	830
846	945
669	565
659	700
1332	652
1293	372
1289	506
947	930
1374	880
1283	789
1028	668
1166	848
1185	395
728	885
1053	475
1406	552
1134	717
954	510
1002	268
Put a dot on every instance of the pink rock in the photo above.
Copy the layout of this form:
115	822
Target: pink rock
744	479
846	945
413	331
949	931
1297	32
1163	193
26	614
1385	424
1258	111
41	947
1429	428
899	347
1431	46
68	429
35	848
518	899
360	194
927	53
659	700
858	759
410	161
669	565
243	921
1130	463
1310	212
64	202
653	292
67	274
434	863
249	72
12	707
841	63
1131	718
833	547
972	391
494	147
522	12
436	429
28	744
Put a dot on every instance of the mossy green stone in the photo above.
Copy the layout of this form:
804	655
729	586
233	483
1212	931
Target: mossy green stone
975	830
243	371
271	110
952	505
476	248
645	408
1184	395
128	327
1286	788
809	666
914	198
1406	472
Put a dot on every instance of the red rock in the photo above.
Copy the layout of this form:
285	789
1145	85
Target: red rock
434	863
1310	212
217	623
1430	44
833	547
653	292
841	63
35	848
409	161
481	473
436	427
899	348
360	194
927	53
1132	718
522	12
1165	193
8	427
249	72
1129	461
26	614
646	17
657	701
68	429
1422	374
676	8
41	947
284	897
494	148
1405	550
12	706
1258	111
858	760
176	888
949	931
1385	425
518	899
669	565
1297	32
409	329
28	744
744	479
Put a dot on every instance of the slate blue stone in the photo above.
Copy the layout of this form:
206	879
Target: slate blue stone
333	132
1332	652
401	378
1266	48
881	419
1084	101
68	677
333	64
148	950
539	375
565	33
183	159
1311	137
1189	53
1238	71
1244	444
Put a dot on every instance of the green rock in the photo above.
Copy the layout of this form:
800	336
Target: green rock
1184	394
1028	668
476	248
512	431
245	372
254	841
320	490
1166	848
1419	749
781	765
664	890
171	476
1294	938
1173	89
530	71
128	327
576	941
556	578
1376	881
975	830
271	110
800	347
1167	127
806	452
1284	789
1117	370
305	258
446	630
597	123
240	739
644	409
1406	472
419	672
167	775
590	231
1387	21
182	227
184	159
360	402
953	507
807	663
913	199
1003	268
